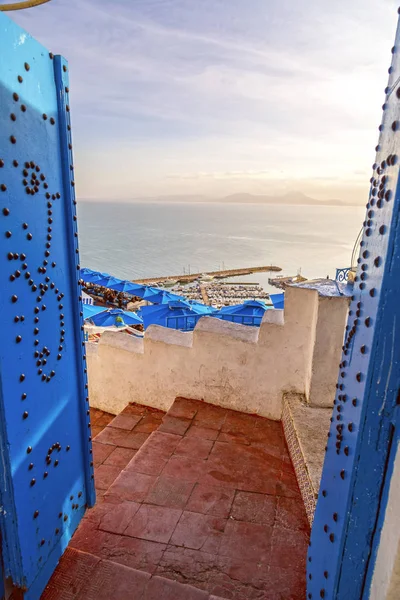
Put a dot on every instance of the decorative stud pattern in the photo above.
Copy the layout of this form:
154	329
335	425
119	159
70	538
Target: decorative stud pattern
42	329
334	545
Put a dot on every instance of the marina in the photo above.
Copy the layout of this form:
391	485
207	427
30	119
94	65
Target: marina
219	294
208	275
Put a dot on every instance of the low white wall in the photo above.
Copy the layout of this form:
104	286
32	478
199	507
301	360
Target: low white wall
327	353
231	365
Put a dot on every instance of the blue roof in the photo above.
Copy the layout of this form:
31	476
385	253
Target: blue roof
178	314
250	308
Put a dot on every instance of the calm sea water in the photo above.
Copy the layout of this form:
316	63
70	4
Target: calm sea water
156	239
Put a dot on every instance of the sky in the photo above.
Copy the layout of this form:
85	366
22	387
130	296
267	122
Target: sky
215	97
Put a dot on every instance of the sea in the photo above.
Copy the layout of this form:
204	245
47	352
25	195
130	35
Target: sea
156	239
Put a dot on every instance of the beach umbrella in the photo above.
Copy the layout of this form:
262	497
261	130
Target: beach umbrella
89	310
116	317
161	296
250	312
106	281
90	276
128	287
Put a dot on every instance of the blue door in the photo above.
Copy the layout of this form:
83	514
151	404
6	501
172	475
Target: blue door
46	468
364	432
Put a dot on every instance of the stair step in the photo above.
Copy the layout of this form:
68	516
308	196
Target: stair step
82	576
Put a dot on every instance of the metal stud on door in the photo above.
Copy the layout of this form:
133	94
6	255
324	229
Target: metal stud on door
363	425
45	440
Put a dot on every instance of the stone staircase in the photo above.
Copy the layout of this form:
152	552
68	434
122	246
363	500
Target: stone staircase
201	502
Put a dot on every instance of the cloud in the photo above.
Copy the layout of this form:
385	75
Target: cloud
167	95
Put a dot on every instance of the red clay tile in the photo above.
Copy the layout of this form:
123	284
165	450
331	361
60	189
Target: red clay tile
140	409
248	572
235	466
95	430
163	442
211	500
255	538
233	438
250	559
149	423
288	486
165	589
254	508
285	583
137	554
183	467
70	575
211	417
199	532
134	409
174	425
185	565
111	580
154	523
119	457
169	491
291	514
202	432
105	475
95	514
222	584
196	447
182	407
237	422
289	549
105	419
111	435
95	414
101	452
126	422
132	486
146	461
133	440
88	538
117	517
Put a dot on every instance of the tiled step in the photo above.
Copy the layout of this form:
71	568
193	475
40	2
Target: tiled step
117	443
208	501
82	576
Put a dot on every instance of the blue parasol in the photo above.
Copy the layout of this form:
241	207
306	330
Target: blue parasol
116	317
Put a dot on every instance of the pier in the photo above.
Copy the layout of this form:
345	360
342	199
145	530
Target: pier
188	278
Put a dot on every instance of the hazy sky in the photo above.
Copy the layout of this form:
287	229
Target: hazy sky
222	96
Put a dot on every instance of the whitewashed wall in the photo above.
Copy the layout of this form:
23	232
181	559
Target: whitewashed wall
231	365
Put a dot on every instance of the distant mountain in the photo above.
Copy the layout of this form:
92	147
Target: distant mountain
290	198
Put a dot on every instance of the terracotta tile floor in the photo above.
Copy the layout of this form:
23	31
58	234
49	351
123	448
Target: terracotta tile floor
99	420
204	504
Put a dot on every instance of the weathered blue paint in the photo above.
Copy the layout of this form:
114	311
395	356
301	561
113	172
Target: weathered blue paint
45	468
356	471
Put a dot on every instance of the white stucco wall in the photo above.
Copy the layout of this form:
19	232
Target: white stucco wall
327	352
386	578
231	365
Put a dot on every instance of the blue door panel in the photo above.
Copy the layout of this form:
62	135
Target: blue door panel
364	426
47	477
